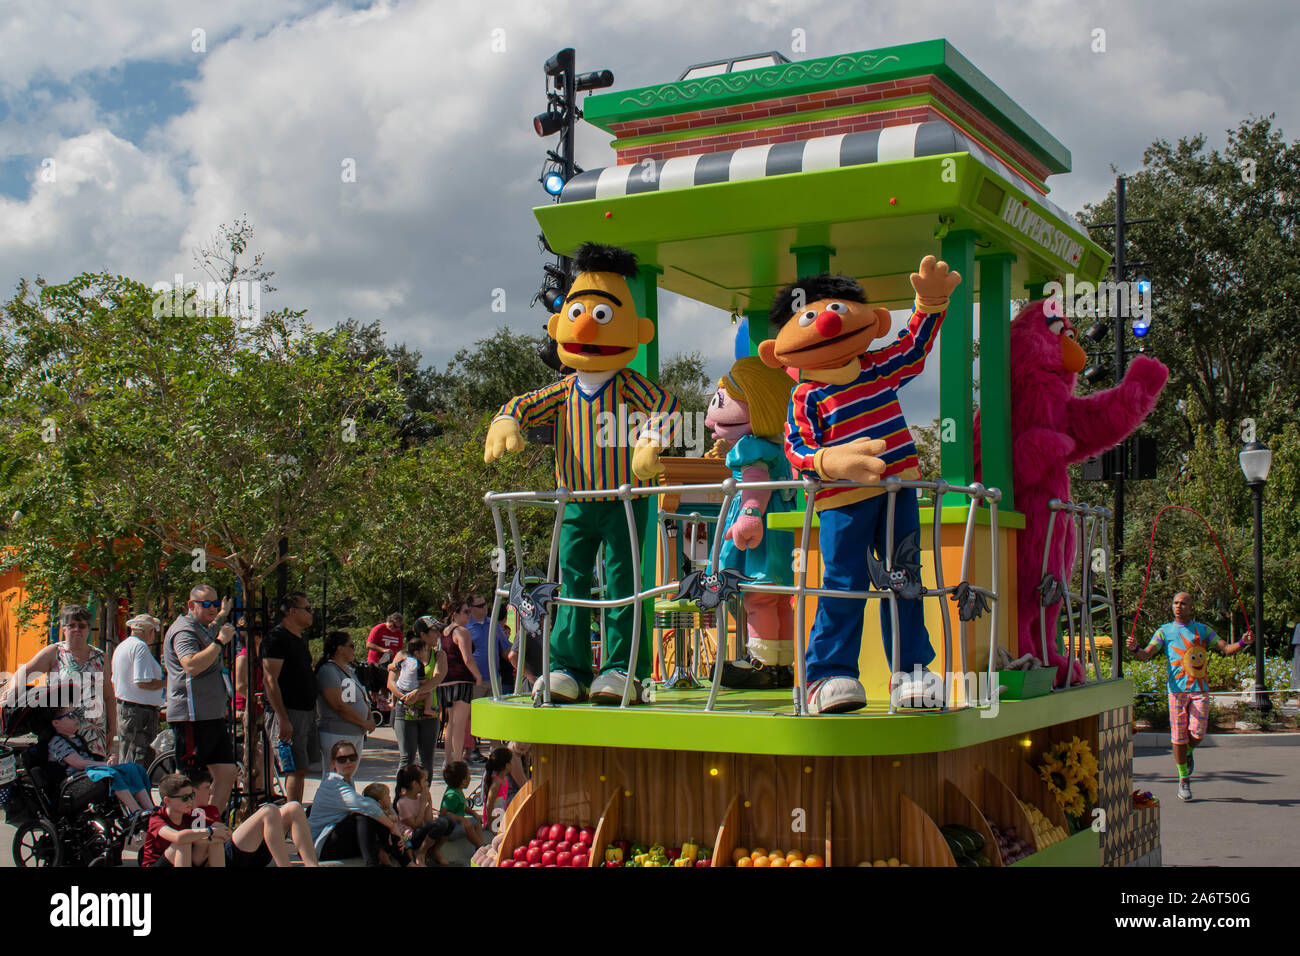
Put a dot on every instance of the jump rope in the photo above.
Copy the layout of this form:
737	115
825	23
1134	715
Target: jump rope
1222	557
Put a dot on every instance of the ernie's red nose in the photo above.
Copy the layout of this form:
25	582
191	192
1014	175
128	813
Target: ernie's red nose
828	324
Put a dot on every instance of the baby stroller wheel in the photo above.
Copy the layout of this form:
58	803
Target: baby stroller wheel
37	844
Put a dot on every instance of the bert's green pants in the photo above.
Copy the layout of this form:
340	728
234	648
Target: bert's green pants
586	524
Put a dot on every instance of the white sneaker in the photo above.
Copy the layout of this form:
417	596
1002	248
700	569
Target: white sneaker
565	689
608	688
835	695
916	689
1184	788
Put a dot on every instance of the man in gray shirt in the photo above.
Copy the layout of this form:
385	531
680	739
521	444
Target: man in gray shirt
196	691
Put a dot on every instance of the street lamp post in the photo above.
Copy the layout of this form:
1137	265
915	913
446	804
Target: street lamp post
1255	461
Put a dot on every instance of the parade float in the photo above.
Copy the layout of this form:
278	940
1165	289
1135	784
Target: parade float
728	188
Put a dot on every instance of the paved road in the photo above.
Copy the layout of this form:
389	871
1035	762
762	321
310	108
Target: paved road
1244	811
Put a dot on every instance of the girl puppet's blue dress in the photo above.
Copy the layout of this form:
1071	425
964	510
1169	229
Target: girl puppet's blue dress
772	561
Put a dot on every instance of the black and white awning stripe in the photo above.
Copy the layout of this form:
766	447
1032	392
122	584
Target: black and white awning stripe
933	138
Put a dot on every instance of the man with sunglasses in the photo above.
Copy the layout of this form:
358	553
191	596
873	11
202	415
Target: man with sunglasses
196	690
290	688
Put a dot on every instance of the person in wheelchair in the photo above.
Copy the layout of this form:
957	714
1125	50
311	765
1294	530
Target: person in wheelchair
63	745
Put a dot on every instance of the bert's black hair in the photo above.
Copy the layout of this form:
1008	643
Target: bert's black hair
815	288
593	257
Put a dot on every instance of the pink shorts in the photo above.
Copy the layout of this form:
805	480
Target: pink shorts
1188	713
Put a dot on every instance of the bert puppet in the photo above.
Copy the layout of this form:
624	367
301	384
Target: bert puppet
597	332
845	424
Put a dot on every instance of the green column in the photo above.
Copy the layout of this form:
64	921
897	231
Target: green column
757	323
645	295
956	355
1034	288
812	260
995	373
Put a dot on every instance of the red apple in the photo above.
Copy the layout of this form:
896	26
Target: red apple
555	833
521	854
548	858
507	863
535	843
534	856
702	863
564	858
534	864
563	845
587	836
580	860
548	845
571	834
543	832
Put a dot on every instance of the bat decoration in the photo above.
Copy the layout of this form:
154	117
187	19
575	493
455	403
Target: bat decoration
904	579
1051	588
971	602
532	602
709	591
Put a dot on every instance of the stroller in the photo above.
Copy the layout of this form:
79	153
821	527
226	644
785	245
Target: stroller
62	819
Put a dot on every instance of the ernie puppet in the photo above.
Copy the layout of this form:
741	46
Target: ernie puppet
597	333
845	423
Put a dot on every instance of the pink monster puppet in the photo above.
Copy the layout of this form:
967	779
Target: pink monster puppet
1050	428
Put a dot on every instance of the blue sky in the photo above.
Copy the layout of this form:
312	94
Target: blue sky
156	144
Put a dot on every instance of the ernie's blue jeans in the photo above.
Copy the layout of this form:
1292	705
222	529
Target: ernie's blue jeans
847	535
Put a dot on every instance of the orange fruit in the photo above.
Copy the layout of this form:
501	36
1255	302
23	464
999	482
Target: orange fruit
744	861
737	853
778	861
794	863
794	855
762	861
814	860
758	851
777	853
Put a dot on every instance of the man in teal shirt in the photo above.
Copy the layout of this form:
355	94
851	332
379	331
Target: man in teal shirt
1187	645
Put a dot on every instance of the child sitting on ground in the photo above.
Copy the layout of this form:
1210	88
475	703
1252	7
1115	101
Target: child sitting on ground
415	809
172	839
454	805
392	849
128	781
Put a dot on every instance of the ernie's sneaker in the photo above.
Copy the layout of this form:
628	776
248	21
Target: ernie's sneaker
835	695
917	689
565	689
608	688
1184	789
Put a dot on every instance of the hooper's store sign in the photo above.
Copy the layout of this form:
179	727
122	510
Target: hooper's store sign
1039	231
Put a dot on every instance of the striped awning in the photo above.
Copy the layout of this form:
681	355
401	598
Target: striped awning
932	138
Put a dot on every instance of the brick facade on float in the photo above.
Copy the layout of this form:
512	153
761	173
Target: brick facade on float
791	106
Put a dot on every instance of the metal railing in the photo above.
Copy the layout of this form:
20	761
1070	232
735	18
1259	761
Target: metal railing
965	591
1090	523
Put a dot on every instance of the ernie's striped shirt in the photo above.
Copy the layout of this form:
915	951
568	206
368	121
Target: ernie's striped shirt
824	414
596	434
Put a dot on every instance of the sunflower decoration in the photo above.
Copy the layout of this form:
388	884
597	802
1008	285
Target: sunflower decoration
1070	772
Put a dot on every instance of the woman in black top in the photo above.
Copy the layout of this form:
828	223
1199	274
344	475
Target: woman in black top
457	687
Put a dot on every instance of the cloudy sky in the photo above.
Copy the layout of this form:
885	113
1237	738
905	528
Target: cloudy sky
157	133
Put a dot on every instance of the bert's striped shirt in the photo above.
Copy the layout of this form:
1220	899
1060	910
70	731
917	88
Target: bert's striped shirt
593	440
824	413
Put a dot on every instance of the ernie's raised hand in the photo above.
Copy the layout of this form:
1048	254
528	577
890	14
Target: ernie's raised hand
934	284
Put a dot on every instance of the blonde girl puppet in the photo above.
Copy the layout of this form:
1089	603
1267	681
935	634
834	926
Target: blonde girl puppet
748	413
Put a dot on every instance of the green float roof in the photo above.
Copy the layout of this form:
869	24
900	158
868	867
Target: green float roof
937	57
761	722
